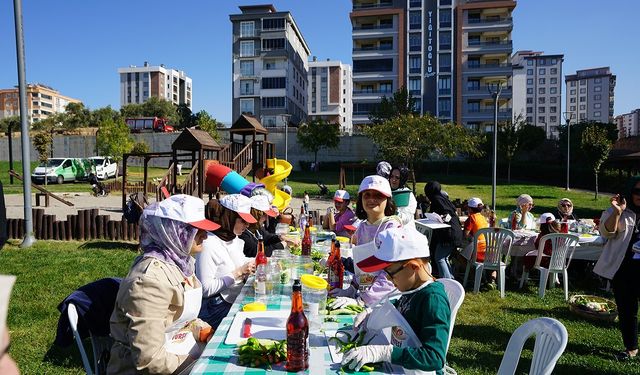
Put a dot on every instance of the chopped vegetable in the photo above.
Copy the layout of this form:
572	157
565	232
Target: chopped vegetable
257	353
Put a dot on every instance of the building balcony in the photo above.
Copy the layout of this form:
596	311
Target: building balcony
484	69
381	4
372	92
483	91
486	113
478	24
489	46
373	49
373	27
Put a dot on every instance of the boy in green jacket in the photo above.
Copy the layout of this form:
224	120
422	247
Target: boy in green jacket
403	254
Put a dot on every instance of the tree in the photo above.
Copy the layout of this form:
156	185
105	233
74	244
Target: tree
131	110
405	139
42	143
139	148
113	139
318	134
12	122
400	104
453	140
595	147
576	137
531	137
204	121
185	116
508	140
103	114
156	107
76	116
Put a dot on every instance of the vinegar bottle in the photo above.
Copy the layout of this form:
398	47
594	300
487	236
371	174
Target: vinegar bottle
261	271
306	241
297	333
336	268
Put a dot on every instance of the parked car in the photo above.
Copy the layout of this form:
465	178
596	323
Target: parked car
62	170
105	166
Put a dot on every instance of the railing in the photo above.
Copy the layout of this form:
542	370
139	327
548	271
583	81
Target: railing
164	182
190	185
372	27
485	88
243	161
381	48
489	110
476	21
371	92
500	43
372	5
488	66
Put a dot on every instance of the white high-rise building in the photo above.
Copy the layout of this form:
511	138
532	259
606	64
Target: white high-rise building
590	95
330	92
139	83
628	124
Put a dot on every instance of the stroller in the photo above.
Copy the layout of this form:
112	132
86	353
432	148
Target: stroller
97	188
324	190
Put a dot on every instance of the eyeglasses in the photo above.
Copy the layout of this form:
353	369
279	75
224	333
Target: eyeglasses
565	204
390	275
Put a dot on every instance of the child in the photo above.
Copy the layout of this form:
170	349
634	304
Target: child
402	254
548	225
305	202
475	222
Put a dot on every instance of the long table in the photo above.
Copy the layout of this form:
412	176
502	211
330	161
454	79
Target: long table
218	357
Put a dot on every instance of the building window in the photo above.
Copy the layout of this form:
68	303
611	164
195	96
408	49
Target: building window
572	108
597	105
529	62
553	119
246	106
445	63
541	81
529	109
542	62
444	85
247	29
414	86
273	102
272	44
415	19
414	42
541	100
529	119
541	120
553	81
553	99
273	24
445	40
553	71
273	82
597	88
583	99
270	65
553	90
583	116
597	97
573	84
385	87
597	80
529	100
542	90
583	82
542	71
541	109
529	72
444	107
414	64
445	17
246	87
553	109
572	92
530	91
583	107
247	48
473	84
597	114
572	100
583	90
529	81
374	65
246	68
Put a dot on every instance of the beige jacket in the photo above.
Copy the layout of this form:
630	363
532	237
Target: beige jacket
149	300
617	243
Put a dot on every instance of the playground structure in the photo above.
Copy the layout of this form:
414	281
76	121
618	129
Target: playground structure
248	152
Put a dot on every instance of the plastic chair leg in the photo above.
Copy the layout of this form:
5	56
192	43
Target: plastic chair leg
544	275
478	278
524	278
565	283
466	274
501	276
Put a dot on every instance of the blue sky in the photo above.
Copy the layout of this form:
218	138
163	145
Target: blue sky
76	46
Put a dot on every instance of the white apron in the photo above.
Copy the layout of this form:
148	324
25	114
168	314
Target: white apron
361	252
178	340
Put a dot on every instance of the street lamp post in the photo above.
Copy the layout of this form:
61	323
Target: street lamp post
568	116
494	89
286	118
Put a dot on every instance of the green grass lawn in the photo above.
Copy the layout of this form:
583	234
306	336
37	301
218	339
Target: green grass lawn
51	270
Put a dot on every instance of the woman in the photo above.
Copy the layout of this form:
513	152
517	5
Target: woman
261	210
521	217
161	294
443	241
398	179
340	215
620	224
222	266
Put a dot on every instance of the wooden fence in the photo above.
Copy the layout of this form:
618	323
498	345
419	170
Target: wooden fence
132	187
83	226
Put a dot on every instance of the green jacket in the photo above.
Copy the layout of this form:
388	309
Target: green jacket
428	313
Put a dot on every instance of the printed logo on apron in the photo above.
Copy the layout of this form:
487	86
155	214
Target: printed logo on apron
178	339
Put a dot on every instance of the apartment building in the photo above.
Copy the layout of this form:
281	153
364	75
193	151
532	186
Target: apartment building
483	58
590	94
628	124
537	89
42	102
270	66
139	83
329	94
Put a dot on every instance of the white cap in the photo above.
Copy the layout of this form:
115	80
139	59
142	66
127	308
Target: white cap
240	204
341	196
261	202
475	202
375	182
394	245
184	208
547	216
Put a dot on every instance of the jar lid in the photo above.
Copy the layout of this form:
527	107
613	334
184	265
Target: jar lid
342	239
314	282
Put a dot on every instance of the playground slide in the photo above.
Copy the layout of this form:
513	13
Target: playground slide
281	170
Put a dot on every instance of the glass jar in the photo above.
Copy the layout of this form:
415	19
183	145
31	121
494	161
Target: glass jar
281	260
314	300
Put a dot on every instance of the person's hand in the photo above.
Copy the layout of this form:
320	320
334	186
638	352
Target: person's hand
349	292
341	302
291	241
360	356
245	269
200	329
360	321
525	208
618	203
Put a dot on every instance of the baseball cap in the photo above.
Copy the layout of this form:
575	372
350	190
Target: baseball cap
375	182
184	208
261	202
341	196
240	204
546	217
475	203
394	245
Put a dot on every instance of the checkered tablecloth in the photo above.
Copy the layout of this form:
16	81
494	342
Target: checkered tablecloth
218	358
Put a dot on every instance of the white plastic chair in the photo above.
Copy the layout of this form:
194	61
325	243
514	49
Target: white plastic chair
563	246
99	345
496	239
455	293
551	340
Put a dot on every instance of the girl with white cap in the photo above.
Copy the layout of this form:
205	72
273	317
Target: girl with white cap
222	266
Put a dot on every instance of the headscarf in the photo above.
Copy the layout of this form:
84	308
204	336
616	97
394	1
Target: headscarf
168	240
565	211
383	169
404	175
523	199
629	197
441	205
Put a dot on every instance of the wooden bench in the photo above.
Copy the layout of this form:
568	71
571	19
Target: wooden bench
46	199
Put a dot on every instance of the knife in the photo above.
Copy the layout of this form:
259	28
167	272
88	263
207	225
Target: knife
246	328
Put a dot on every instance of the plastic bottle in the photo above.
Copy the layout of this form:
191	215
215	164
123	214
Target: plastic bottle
306	241
297	333
335	273
260	283
303	219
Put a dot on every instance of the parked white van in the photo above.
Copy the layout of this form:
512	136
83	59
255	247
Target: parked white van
105	166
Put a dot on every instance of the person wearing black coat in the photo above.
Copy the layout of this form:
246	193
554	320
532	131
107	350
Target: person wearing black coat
271	242
443	241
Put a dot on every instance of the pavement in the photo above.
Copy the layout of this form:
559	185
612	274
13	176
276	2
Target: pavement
110	205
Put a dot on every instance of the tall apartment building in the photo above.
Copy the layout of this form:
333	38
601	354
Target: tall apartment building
139	83
329	94
590	94
42	102
483	53
537	89
270	66
628	124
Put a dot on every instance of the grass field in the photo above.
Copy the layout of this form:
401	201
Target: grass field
51	270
